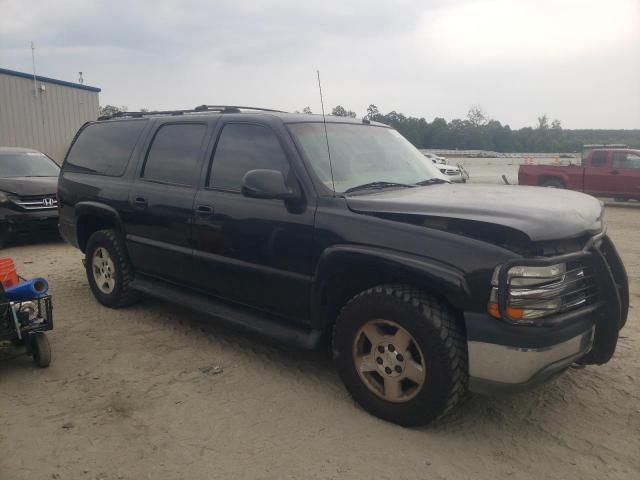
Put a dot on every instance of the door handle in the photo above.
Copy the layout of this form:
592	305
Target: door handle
204	210
141	202
614	172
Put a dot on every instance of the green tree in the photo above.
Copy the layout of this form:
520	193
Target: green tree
339	111
476	116
110	110
543	122
307	110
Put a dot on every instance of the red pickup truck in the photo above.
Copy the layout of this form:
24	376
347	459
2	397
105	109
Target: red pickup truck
613	172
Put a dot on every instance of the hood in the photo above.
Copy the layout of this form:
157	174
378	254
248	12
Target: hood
540	213
26	186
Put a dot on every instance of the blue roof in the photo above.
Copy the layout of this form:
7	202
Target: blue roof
48	80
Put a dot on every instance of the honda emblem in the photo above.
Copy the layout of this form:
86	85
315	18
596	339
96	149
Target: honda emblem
48	202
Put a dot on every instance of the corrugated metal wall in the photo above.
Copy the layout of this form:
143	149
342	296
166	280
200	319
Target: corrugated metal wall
46	123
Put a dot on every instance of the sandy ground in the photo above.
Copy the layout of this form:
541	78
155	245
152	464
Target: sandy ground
155	392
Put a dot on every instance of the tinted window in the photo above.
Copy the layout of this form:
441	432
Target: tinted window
173	156
626	160
599	159
105	148
242	148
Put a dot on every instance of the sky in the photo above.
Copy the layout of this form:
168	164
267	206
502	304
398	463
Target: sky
574	60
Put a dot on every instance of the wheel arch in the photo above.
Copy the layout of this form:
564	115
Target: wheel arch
94	216
345	271
557	177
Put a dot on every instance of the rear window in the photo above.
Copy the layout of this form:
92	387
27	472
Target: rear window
105	148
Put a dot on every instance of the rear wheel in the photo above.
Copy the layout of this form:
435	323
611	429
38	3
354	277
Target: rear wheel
552	183
108	269
40	349
401	354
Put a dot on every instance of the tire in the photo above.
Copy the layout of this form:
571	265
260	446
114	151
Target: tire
40	349
111	275
552	183
436	343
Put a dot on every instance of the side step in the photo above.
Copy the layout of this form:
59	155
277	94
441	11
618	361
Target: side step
261	323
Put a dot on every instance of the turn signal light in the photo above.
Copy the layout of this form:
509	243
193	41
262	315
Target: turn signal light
512	312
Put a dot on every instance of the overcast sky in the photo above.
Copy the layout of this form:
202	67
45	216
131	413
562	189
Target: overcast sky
575	60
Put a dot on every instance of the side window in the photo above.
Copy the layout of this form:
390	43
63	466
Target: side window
244	147
174	153
626	160
105	148
599	158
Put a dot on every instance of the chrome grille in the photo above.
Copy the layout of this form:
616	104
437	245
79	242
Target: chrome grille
45	202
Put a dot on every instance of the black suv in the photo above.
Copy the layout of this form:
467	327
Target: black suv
341	234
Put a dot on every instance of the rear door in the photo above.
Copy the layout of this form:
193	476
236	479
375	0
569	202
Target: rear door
598	177
248	250
627	164
161	201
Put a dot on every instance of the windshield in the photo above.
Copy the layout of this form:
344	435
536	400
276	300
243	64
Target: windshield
27	164
362	154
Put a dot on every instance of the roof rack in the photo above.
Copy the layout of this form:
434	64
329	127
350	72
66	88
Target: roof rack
233	109
198	109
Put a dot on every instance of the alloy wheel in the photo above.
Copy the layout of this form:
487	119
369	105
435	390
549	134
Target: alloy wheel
389	361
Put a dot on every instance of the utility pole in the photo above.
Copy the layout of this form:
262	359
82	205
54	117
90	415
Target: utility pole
33	62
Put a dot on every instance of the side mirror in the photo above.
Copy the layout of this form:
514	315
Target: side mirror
267	184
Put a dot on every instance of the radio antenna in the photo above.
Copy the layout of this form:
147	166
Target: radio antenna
326	135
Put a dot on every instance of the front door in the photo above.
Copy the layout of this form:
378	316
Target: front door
253	251
598	177
161	199
627	164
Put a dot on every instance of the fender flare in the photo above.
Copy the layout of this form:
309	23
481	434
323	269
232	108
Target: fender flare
442	279
95	209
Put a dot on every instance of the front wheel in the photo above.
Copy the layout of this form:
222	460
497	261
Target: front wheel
108	269
401	354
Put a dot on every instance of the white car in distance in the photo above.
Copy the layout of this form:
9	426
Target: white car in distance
454	173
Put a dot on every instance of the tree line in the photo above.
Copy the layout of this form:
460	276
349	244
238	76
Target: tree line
479	132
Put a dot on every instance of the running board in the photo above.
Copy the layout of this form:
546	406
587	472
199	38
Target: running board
260	323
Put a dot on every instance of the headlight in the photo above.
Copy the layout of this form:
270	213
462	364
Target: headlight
3	198
536	292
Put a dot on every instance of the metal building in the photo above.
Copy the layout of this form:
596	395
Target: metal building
43	113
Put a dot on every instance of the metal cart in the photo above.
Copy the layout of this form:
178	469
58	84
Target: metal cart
24	324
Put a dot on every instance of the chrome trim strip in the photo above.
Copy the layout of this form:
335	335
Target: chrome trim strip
513	365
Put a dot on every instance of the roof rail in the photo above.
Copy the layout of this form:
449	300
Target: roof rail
145	114
198	109
233	109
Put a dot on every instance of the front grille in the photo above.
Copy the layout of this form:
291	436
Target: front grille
42	202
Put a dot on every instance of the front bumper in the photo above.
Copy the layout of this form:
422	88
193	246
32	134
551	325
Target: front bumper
504	369
506	357
16	223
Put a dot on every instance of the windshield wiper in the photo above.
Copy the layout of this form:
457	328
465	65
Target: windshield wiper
432	181
376	185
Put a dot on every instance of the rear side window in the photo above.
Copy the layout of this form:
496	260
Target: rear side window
599	159
174	154
244	147
105	148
